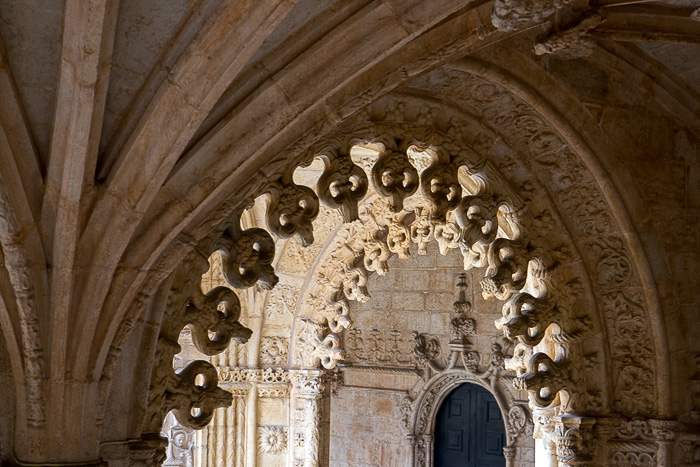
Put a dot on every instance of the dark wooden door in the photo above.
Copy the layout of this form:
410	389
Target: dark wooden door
469	430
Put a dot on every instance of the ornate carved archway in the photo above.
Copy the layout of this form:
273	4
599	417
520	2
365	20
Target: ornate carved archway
509	202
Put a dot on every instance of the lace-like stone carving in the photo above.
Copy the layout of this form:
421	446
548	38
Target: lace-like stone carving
507	270
441	187
314	347
192	393
525	318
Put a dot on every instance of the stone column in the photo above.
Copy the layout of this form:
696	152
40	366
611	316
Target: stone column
412	443
240	398
308	388
150	451
509	454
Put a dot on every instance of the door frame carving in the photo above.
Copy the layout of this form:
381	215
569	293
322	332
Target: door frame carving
420	415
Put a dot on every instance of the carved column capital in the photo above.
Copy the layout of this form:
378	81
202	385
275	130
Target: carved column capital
308	384
664	430
509	452
574	438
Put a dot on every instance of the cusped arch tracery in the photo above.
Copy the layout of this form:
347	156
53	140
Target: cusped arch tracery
363	248
467	155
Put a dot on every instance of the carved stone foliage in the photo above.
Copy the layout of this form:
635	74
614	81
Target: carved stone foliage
17	264
517	419
427	348
261	375
690	452
509	15
282	300
377	347
192	393
633	444
491	224
582	202
272	439
315	345
632	349
274	351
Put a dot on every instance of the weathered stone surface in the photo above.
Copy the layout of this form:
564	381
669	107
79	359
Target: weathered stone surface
548	150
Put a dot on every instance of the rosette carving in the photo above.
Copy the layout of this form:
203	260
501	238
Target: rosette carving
342	185
291	210
394	176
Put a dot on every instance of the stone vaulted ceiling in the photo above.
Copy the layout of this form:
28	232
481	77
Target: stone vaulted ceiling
133	134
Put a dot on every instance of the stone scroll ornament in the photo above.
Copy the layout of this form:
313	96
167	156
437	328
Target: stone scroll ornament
247	255
291	209
394	176
192	393
343	184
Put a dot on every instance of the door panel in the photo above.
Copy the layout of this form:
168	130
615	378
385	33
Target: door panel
469	430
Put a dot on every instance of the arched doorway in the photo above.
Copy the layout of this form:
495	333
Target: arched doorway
469	429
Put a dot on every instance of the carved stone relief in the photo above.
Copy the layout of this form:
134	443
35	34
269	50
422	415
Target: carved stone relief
374	346
192	392
180	443
282	300
272	439
274	351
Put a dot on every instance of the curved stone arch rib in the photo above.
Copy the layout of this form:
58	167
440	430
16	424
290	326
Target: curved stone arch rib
423	412
614	204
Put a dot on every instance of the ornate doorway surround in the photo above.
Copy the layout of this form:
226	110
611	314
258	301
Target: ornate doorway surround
421	415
